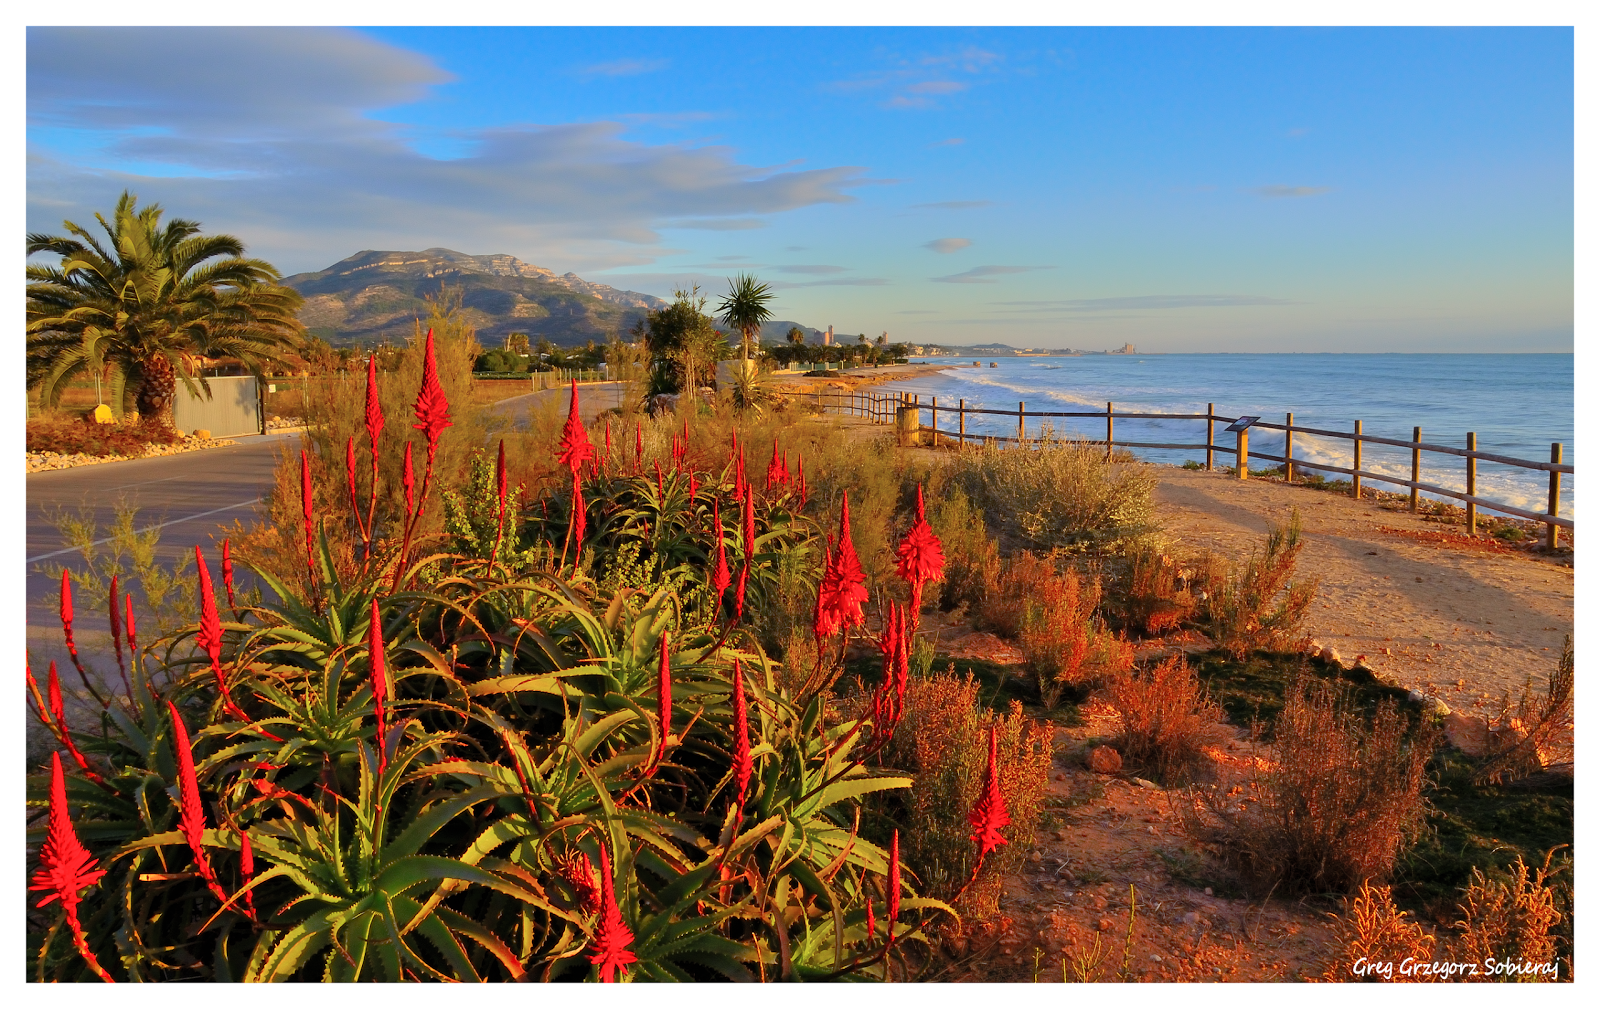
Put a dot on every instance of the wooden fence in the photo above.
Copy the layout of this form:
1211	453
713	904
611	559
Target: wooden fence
881	407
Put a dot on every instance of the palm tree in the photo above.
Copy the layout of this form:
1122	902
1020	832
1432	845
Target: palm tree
796	335
144	307
745	307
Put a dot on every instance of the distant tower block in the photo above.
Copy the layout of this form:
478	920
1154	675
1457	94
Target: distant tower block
827	338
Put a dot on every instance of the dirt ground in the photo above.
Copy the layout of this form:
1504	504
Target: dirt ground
1463	622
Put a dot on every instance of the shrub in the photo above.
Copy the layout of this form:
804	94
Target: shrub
1537	732
1053	616
70	436
942	741
1512	918
1341	801
1058	494
1166	717
1158	597
1376	931
1256	605
971	558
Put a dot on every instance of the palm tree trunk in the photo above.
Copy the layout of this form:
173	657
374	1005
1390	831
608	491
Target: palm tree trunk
158	387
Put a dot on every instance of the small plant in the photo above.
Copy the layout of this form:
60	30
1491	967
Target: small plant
1256	604
1374	931
1512	918
1158	597
1166	717
1533	735
1340	803
1054	617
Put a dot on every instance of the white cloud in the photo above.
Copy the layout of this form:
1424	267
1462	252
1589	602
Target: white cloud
1288	192
267	134
817	268
983	274
945	246
1142	301
953	205
624	68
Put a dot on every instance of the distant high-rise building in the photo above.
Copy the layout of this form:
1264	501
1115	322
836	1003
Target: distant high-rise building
827	338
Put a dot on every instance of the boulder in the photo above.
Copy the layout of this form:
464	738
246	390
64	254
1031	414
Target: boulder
1105	760
102	415
202	434
1330	655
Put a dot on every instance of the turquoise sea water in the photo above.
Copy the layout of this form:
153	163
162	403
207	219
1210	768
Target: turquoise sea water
1517	403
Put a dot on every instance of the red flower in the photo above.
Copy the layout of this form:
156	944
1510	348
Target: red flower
661	489
133	630
380	682
59	714
191	815
579	871
432	409
720	578
209	636
749	525
824	622
65	865
247	871
872	926
374	408
694	488
575	447
663	700
66	622
306	513
743	765
500	493
638	445
408	478
776	472
580	514
116	620
921	557
894	883
227	573
612	935
738	591
989	815
843	587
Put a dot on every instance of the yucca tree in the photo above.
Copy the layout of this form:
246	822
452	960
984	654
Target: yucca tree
137	306
745	308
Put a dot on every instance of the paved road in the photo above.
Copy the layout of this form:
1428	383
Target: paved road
593	399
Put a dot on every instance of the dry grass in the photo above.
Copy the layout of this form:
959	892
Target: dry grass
943	741
1342	801
1374	931
1257	604
1513	918
1158	596
59	431
1167	720
1537	732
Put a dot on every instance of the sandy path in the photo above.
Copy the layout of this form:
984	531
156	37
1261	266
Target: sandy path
1445	613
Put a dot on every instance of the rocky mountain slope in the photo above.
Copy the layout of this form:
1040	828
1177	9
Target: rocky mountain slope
373	296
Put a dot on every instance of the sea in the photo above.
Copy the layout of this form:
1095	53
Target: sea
1518	404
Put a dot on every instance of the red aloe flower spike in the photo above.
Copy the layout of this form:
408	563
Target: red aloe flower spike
209	636
580	514
116	630
989	815
825	623
575	447
380	681
872	926
663	702
432	409
306	505
894	883
247	871
749	524
500	489
844	583
720	578
612	936
775	474
192	815
227	573
738	592
743	765
408	480
607	457
132	629
694	488
72	646
58	713
920	557
66	867
661	490
638	446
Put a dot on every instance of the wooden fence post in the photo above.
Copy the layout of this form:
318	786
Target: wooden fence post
1243	449
1288	448
963	423
935	424
1355	478
1211	409
1472	483
1022	431
1553	536
1108	432
1416	464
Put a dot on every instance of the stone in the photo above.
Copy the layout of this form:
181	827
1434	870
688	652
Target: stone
1105	760
1104	925
202	434
1467	733
102	415
1036	857
1142	783
1331	656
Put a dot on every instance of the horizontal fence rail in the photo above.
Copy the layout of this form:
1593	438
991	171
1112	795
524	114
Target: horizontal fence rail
886	408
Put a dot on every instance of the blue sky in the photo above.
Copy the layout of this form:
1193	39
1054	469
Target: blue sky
1184	190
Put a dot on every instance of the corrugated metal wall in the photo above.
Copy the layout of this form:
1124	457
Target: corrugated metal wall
234	407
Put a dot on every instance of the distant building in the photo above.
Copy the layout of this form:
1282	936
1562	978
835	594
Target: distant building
827	338
1127	348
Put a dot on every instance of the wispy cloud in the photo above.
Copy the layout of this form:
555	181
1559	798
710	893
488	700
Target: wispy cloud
918	311
937	87
624	68
1288	192
953	205
816	268
1298	131
1141	302
952	142
832	282
914	82
716	224
665	120
948	245
983	274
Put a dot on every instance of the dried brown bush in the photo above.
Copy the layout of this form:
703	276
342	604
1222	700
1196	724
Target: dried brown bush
1340	803
1376	932
1513	918
1054	617
1008	587
1537	732
1256	604
69	435
943	740
1158	596
1167	719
